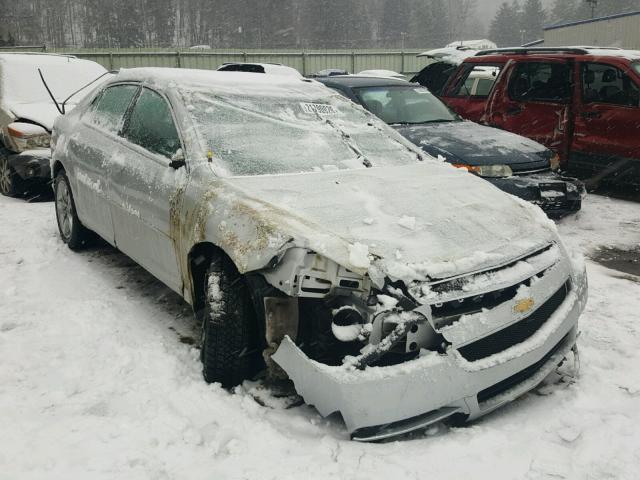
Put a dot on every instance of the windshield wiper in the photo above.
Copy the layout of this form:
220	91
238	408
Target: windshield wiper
346	138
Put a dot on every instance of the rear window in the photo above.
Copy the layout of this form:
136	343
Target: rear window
636	67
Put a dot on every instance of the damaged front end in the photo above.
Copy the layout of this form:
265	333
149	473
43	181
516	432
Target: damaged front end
392	357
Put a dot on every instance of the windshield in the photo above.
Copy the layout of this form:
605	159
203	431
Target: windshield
21	81
400	104
636	66
267	135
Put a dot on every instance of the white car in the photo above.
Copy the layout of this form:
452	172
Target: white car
392	287
27	112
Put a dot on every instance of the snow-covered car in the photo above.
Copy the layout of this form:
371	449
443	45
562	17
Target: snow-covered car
268	68
27	113
312	238
515	164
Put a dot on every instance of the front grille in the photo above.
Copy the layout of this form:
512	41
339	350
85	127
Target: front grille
516	333
521	376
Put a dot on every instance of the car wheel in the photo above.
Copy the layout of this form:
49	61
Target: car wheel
231	347
10	182
72	232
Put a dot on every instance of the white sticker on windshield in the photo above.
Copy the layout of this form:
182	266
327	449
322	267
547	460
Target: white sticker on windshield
421	90
319	108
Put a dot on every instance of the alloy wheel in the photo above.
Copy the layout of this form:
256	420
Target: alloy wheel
5	177
64	209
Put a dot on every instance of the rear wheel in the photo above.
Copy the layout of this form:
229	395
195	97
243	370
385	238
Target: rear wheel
231	346
11	184
73	233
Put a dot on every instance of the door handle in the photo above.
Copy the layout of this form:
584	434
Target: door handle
590	114
514	111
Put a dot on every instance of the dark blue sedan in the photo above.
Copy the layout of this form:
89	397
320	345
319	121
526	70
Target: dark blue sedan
515	164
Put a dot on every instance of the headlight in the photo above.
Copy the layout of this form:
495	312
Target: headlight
26	136
555	162
489	171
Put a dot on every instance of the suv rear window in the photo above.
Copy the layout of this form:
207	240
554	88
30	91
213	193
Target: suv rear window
546	82
603	83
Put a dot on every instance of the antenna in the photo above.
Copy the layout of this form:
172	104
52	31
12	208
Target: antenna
60	109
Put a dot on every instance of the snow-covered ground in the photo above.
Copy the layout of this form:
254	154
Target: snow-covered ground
98	381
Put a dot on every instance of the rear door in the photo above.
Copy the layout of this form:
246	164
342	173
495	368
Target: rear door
607	117
534	98
144	185
93	147
468	91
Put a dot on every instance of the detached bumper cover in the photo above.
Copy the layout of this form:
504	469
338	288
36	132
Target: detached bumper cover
32	164
555	194
434	386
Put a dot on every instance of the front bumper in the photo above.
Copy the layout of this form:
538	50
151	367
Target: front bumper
381	402
32	165
557	195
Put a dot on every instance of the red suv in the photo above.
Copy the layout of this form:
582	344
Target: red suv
584	103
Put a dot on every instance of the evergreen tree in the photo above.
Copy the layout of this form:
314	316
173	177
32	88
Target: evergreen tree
505	27
532	21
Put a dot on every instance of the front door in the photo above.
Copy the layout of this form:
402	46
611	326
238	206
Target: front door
533	99
144	184
607	119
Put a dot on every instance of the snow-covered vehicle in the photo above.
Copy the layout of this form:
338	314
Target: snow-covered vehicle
27	113
296	222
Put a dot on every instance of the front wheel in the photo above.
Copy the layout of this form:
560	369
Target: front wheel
231	346
11	184
73	233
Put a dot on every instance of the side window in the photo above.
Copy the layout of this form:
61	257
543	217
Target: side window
602	83
545	82
151	125
111	106
477	81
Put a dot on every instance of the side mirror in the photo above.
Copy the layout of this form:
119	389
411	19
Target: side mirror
177	160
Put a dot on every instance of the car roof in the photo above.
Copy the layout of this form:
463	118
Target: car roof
232	82
356	81
501	55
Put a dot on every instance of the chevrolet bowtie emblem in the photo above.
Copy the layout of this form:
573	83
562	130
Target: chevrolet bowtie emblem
524	305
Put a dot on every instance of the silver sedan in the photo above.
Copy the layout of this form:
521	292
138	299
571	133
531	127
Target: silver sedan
317	244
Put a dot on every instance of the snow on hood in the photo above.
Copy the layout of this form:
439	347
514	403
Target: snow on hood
42	113
417	221
474	144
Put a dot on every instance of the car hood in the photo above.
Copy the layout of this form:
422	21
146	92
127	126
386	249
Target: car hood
473	144
417	221
42	113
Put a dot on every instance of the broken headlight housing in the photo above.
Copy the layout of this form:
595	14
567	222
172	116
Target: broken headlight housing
28	136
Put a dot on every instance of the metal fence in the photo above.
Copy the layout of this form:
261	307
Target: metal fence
306	62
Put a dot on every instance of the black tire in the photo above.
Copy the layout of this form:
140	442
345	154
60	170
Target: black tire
72	232
11	185
231	346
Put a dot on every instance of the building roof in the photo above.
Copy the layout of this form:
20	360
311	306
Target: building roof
591	20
